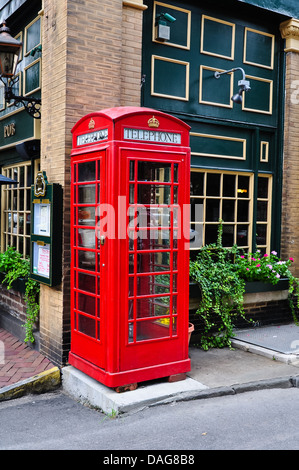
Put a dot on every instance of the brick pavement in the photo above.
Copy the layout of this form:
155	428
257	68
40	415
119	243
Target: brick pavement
18	361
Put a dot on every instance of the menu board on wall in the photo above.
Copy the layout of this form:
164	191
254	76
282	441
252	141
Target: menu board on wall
41	260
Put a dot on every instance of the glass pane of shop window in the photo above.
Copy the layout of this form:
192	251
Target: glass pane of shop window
243	187
22	177
243	211
228	210
196	236
212	210
211	232
262	188
261	234
229	186
197	206
213	184
262	211
228	235
242	235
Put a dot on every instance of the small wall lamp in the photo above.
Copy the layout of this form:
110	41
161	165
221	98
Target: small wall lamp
162	32
243	84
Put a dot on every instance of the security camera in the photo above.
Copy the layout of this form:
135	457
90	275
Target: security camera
162	29
169	18
245	84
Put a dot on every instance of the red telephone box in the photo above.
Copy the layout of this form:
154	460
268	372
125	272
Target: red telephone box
130	245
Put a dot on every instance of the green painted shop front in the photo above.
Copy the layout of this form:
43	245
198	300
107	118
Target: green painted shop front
236	149
19	133
20	136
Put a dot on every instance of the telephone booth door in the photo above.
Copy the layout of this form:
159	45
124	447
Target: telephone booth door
153	259
88	258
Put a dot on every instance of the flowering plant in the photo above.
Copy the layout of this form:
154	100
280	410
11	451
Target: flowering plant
221	274
265	268
269	268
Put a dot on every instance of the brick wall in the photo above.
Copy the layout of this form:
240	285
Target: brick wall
53	155
12	301
131	55
91	61
290	196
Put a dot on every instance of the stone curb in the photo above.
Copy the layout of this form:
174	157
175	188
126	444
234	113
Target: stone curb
269	353
91	393
44	382
281	382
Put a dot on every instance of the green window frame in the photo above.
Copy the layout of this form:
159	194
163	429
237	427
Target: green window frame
230	196
16	210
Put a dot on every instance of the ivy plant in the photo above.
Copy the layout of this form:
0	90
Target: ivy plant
15	267
222	291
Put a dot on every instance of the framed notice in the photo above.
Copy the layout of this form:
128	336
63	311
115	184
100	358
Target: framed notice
41	219
46	231
41	260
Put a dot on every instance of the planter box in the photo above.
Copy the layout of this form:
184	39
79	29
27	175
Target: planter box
18	285
259	286
265	303
262	292
250	287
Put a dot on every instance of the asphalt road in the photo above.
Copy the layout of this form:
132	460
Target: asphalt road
261	420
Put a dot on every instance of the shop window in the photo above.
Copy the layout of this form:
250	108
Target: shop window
229	196
16	213
32	35
32	77
263	213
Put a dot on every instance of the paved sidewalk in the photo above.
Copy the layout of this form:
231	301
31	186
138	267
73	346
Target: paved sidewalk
19	363
217	372
266	357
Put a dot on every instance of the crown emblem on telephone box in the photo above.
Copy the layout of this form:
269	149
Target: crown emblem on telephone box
91	124
153	122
